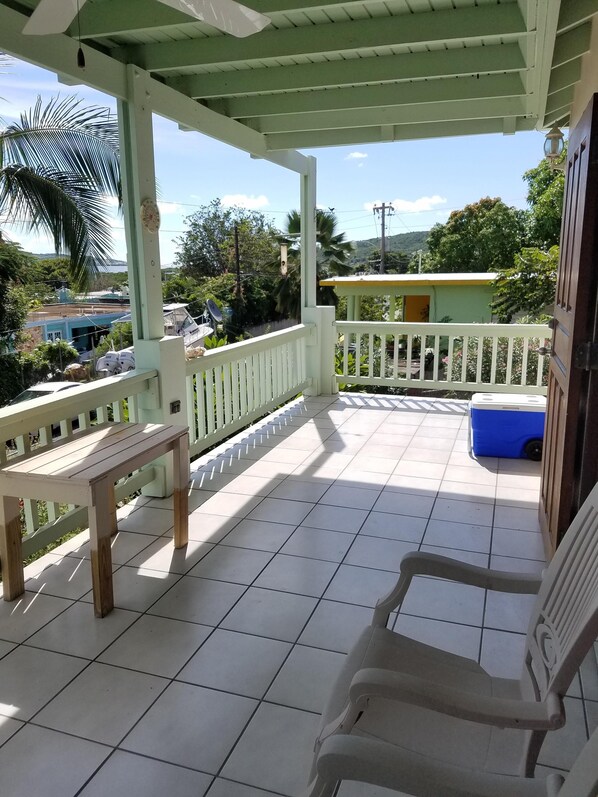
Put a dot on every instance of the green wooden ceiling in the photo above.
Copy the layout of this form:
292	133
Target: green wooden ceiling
343	73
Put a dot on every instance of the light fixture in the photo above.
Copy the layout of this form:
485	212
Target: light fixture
554	146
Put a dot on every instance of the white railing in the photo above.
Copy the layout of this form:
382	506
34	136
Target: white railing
502	358
230	387
42	422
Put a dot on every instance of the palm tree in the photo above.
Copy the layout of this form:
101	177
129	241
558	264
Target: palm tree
58	165
331	257
333	249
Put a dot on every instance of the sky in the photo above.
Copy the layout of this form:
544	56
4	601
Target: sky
424	180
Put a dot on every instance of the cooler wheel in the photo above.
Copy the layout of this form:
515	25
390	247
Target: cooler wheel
533	450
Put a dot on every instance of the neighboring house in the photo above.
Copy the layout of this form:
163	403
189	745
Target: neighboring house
80	323
461	298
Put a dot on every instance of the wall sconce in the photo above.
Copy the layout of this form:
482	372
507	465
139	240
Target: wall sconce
554	145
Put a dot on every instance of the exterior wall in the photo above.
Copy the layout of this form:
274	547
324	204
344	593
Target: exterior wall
74	326
466	304
462	304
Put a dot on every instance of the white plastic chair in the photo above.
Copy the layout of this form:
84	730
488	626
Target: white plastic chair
413	697
379	763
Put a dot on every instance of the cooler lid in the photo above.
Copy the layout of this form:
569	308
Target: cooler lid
508	401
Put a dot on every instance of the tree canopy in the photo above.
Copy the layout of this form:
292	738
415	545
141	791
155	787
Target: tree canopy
528	286
331	259
57	165
484	236
546	187
207	248
13	300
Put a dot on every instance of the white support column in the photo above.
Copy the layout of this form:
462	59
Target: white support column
321	344
308	237
139	183
152	348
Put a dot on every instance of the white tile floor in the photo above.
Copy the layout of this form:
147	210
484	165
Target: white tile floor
208	677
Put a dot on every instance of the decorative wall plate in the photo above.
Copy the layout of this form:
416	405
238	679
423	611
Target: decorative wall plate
150	215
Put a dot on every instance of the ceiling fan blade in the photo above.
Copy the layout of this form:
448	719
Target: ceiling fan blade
52	16
226	15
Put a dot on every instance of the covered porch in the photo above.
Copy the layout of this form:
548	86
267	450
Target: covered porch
209	675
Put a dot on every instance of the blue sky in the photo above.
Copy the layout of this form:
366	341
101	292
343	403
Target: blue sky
424	180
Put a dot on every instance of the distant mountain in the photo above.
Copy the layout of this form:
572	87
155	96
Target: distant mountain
408	242
115	265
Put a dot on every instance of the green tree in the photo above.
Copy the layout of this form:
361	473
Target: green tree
545	190
484	236
207	248
331	259
528	286
13	300
332	248
57	164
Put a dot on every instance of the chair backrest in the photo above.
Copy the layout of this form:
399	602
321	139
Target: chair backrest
564	623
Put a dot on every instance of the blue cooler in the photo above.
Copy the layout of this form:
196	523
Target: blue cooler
507	425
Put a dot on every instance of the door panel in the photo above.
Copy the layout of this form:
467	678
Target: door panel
570	461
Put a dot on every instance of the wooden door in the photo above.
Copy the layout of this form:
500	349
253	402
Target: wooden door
570	461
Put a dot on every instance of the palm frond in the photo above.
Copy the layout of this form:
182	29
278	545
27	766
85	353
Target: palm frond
66	207
66	136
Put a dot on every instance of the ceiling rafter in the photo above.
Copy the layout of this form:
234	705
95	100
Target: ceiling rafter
434	91
376	134
115	17
389	115
399	31
409	66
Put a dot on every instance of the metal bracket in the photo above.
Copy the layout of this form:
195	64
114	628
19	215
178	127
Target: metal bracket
585	356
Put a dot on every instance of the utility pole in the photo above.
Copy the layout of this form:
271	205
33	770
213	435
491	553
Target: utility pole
237	262
383	210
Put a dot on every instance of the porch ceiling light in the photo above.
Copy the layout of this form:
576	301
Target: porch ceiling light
554	145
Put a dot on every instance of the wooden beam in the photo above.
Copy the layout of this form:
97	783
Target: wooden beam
497	58
372	135
565	75
115	17
401	115
436	91
574	13
349	37
59	54
572	44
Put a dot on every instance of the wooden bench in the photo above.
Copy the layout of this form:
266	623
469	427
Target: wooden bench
83	471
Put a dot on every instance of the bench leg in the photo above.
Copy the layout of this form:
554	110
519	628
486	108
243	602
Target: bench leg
180	498
11	551
102	527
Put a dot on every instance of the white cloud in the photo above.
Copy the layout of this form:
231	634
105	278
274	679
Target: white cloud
355	156
423	203
168	208
245	201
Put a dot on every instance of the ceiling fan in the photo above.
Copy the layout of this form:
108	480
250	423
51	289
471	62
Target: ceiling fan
55	16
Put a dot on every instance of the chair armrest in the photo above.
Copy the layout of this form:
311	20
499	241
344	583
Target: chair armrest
356	758
418	563
503	713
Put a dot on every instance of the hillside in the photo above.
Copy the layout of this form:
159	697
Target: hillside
408	242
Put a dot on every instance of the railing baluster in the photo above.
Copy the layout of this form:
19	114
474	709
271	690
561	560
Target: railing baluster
480	361
509	361
371	354
210	399
436	361
218	380
228	400
494	360
236	387
524	360
464	359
